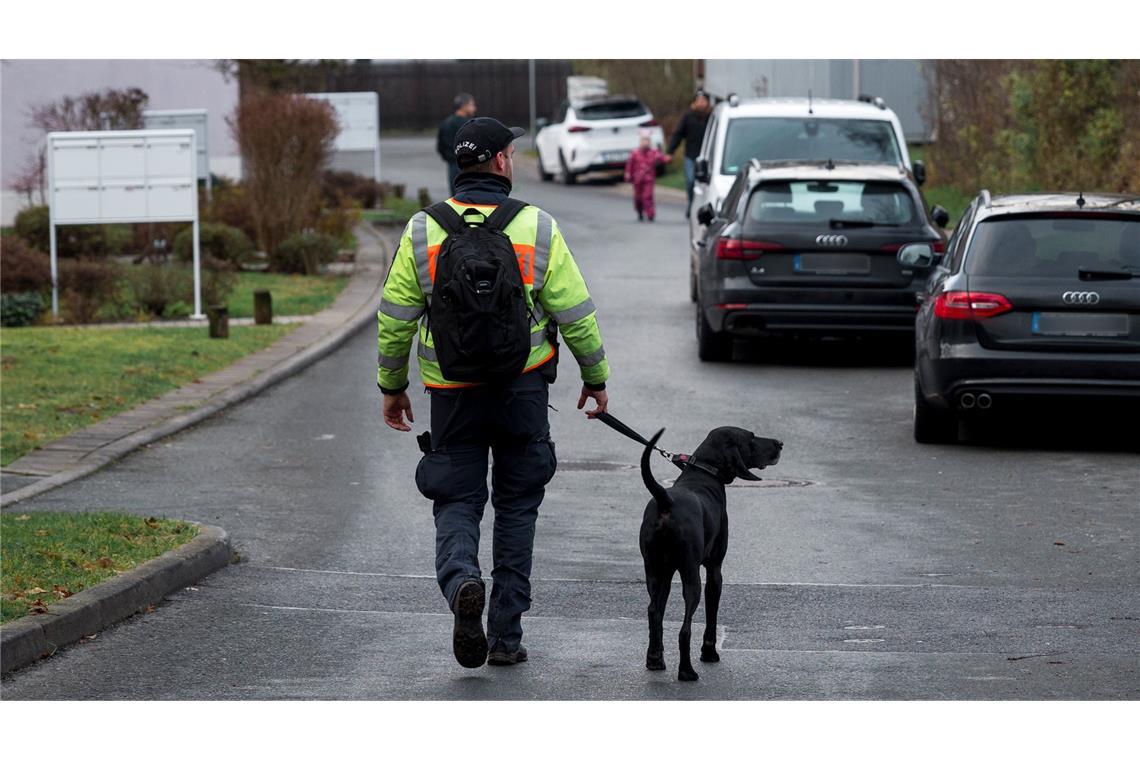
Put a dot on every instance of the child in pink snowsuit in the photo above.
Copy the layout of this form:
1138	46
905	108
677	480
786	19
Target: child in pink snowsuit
641	170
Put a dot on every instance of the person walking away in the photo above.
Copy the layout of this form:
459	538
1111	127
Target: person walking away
488	246
462	109
641	170
691	130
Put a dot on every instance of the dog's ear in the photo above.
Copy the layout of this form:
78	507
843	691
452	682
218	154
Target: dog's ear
739	467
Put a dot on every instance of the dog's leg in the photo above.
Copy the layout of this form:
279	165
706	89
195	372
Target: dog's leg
713	582
658	598
691	590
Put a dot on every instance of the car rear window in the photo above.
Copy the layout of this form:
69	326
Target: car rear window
1053	247
615	109
795	139
885	204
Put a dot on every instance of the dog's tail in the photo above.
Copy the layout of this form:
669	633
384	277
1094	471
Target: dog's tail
660	495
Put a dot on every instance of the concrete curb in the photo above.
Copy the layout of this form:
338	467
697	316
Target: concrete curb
31	637
100	458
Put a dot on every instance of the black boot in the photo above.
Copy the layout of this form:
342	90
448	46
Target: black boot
468	642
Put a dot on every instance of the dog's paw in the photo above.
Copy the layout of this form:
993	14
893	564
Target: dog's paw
687	675
654	663
709	654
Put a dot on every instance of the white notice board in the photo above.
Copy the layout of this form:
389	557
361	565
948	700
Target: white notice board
123	177
196	119
357	147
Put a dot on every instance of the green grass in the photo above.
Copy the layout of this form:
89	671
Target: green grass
49	556
59	379
293	294
396	211
674	176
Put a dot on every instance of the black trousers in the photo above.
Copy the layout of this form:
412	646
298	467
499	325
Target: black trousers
511	424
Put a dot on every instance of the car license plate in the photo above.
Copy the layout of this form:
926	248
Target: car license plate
615	156
832	263
1080	325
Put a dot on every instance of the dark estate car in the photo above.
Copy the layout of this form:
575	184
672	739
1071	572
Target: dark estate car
810	247
1037	297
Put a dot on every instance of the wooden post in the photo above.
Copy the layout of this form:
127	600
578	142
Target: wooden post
398	191
262	307
219	321
424	198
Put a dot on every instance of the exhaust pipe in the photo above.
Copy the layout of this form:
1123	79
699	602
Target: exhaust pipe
967	401
985	401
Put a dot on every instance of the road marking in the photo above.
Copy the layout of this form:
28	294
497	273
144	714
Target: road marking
863	627
863	641
638	582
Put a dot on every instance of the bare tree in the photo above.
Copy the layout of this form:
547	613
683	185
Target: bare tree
285	143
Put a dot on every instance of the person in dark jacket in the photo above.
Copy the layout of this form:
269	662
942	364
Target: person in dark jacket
691	129
463	109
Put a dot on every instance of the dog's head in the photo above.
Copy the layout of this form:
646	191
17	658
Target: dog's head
734	451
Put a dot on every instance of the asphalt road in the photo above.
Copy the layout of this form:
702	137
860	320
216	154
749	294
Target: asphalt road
867	567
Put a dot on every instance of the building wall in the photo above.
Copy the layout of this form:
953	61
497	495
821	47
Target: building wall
191	83
901	83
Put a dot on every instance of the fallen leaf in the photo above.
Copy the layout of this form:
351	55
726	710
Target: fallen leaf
104	562
39	607
42	532
62	592
24	517
36	590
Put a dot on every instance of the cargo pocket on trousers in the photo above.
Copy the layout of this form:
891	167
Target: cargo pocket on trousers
432	475
544	448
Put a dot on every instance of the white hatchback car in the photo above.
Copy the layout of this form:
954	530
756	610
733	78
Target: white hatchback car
792	129
592	135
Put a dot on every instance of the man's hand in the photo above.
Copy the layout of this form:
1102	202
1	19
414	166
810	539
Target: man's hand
599	396
394	404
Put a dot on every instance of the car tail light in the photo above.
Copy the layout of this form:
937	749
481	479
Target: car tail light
735	248
579	128
650	123
959	304
938	246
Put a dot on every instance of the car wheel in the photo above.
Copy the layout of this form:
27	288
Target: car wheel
711	345
568	176
931	424
543	175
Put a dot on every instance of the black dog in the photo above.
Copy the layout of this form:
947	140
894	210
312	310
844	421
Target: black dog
686	526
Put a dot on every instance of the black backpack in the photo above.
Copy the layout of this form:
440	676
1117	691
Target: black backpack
478	315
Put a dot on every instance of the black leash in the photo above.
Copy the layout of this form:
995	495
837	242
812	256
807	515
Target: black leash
680	460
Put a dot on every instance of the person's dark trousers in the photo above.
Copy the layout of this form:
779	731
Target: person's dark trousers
452	173
690	169
511	423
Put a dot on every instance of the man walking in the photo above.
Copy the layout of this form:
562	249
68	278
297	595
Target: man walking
437	267
691	129
462	109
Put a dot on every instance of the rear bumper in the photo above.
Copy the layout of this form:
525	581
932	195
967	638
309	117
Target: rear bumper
745	320
1025	375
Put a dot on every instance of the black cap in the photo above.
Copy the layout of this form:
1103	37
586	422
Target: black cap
481	138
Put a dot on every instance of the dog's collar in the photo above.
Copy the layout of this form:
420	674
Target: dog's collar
691	461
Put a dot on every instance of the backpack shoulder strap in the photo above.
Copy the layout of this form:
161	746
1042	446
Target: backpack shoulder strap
447	217
504	214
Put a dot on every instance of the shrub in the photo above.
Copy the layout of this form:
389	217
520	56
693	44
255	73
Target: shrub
22	267
219	278
338	222
86	285
219	241
20	309
167	290
73	240
364	190
229	205
304	254
285	142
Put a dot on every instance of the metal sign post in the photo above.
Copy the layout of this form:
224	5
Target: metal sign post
113	177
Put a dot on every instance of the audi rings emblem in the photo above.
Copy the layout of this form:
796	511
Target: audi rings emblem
835	241
1084	298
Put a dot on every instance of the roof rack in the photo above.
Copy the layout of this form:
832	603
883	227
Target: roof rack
986	198
754	164
733	99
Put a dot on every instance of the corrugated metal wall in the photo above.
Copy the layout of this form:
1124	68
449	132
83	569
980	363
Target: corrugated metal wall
900	82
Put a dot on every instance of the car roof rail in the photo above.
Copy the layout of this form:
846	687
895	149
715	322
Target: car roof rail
733	99
754	164
986	201
874	100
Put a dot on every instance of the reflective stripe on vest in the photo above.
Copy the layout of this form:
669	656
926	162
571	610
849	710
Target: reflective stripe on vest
420	252
392	362
589	360
396	311
542	240
574	313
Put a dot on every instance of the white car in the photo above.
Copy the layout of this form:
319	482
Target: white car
792	129
594	134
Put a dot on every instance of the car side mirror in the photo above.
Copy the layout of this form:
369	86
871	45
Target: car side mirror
917	255
940	215
541	123
705	214
919	172
701	170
